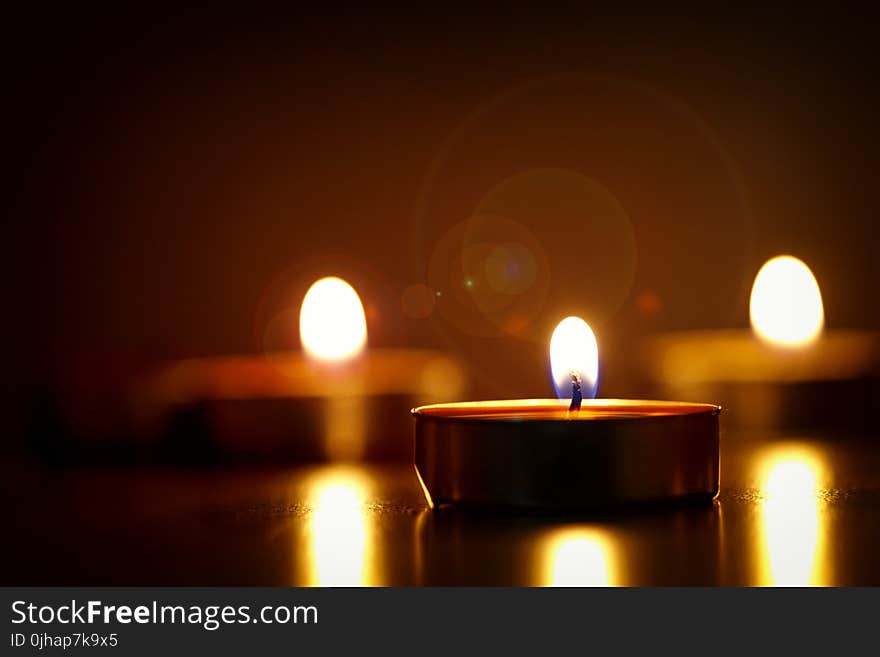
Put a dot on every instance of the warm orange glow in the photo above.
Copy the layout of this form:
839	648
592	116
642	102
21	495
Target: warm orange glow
339	531
573	348
791	518
577	557
345	428
786	304
332	324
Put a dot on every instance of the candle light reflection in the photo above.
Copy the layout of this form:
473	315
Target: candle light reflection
340	539
577	557
792	518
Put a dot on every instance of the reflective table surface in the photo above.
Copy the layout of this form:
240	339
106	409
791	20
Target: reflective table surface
793	511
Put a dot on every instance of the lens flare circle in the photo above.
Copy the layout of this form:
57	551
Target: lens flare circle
786	304
332	324
573	349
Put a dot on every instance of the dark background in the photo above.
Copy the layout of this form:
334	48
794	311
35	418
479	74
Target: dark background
177	179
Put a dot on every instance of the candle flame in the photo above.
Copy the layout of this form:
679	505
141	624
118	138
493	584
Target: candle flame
332	324
574	354
786	304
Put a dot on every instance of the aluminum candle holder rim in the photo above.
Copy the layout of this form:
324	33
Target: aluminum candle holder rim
593	410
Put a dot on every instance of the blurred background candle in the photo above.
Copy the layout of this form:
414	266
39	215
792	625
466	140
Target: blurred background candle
336	399
788	371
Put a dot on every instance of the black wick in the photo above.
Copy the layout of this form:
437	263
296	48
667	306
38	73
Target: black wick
576	396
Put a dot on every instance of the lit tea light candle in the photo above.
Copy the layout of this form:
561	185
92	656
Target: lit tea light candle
337	399
785	370
567	453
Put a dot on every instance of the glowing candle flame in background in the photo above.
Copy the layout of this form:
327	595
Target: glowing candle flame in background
786	304
332	324
333	329
573	348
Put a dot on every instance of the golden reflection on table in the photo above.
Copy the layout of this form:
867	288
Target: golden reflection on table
576	557
791	512
792	519
340	530
344	428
